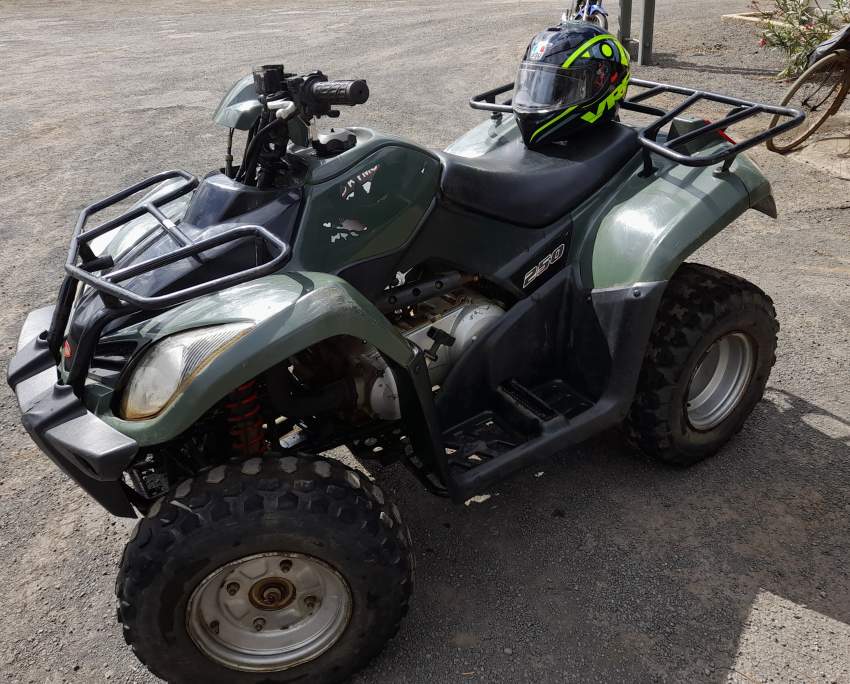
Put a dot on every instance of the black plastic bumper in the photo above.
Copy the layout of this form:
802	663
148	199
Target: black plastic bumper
88	450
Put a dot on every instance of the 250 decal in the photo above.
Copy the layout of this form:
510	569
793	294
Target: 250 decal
544	264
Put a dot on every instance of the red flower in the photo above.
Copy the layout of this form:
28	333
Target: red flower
762	41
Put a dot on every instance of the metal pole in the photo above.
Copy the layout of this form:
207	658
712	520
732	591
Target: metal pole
625	31
647	28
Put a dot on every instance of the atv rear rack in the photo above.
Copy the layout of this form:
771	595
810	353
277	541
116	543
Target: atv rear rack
648	137
741	110
83	266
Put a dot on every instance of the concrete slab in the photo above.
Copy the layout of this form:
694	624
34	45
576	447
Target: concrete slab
785	641
829	149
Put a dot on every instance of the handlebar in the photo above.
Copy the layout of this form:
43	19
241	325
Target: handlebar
333	93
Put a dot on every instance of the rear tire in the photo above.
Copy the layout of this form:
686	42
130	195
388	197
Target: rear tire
709	358
299	559
819	93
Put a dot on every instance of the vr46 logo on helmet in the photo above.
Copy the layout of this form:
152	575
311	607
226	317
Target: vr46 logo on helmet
542	267
608	103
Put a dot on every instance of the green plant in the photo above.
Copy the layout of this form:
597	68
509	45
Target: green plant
796	27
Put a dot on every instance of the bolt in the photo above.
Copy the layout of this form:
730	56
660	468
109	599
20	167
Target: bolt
259	623
232	588
636	292
286	565
214	626
310	602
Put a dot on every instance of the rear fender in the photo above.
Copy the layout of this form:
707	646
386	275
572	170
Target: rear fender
640	229
291	312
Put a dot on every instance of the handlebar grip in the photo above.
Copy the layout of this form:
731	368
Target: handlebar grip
340	92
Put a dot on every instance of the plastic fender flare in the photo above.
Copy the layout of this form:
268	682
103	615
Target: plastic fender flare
648	226
291	312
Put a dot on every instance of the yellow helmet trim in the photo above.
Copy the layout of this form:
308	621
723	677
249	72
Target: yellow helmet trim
582	49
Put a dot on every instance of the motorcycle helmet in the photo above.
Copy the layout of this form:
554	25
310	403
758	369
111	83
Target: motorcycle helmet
572	76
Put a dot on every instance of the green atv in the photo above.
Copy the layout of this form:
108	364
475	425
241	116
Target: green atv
467	313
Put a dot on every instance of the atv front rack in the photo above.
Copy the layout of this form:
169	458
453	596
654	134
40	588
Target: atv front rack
107	283
99	272
648	137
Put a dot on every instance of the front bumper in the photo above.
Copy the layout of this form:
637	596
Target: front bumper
89	451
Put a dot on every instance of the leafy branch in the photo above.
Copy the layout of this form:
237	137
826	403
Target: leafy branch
796	27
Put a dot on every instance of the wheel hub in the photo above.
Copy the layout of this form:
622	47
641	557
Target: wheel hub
272	593
269	612
720	380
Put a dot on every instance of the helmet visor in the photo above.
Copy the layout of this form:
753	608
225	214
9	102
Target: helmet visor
546	87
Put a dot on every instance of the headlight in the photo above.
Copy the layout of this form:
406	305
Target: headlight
171	364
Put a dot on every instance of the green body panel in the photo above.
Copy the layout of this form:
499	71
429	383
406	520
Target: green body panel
363	203
290	312
640	229
643	228
485	137
239	108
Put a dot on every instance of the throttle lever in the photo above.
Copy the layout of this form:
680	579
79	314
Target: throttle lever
283	109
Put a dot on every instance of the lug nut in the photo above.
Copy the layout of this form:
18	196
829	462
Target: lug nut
259	623
232	588
310	602
286	565
214	626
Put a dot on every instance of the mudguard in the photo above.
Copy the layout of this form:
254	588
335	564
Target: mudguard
290	312
644	227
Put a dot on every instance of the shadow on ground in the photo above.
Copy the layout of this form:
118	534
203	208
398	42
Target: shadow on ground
636	570
673	61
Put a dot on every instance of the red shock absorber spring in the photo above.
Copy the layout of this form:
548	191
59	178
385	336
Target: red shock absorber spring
244	421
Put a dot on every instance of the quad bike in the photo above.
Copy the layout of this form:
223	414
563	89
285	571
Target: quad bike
467	313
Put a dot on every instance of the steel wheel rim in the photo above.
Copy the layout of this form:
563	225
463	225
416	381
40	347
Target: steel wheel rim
269	612
816	104
719	380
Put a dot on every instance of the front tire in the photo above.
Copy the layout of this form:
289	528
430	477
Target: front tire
600	20
273	569
709	358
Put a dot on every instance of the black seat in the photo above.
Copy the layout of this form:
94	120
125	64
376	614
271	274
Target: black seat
528	188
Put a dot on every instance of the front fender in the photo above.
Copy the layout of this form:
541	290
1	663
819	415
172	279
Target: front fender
291	312
646	227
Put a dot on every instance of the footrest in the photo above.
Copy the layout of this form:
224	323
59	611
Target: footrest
526	400
480	439
562	398
524	426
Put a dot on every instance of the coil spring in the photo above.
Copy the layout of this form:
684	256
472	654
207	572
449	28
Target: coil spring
244	421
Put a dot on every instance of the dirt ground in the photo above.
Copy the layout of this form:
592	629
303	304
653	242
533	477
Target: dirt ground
598	566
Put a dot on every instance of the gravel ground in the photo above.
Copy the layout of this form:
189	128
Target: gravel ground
598	567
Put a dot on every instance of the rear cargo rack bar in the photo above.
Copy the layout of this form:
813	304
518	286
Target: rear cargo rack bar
487	102
648	137
99	273
741	109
